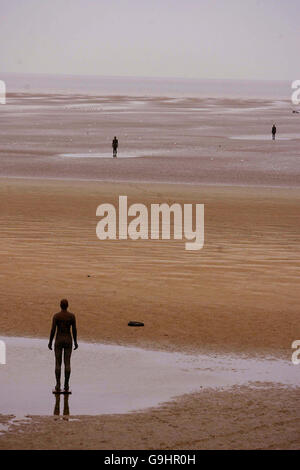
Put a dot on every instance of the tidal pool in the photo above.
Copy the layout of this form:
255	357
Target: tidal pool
118	379
121	154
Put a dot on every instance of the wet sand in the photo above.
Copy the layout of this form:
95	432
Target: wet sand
186	140
239	295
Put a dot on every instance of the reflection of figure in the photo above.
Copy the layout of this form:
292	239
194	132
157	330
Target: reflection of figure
115	144
62	323
66	411
274	131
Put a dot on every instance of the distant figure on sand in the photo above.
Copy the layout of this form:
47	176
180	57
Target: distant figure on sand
62	323
273	131
115	144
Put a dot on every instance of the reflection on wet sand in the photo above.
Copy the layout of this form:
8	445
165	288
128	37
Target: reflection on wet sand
66	409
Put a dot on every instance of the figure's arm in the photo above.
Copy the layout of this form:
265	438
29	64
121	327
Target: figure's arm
52	332
74	332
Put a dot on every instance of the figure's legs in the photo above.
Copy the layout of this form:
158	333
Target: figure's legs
67	361
58	359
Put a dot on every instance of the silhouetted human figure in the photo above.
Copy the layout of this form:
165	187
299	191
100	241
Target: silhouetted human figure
61	324
274	131
115	145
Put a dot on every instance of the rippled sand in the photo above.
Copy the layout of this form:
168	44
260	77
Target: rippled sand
240	292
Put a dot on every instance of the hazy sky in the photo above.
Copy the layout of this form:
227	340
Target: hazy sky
161	38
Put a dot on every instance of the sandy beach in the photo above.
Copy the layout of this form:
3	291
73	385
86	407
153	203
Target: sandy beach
239	294
177	140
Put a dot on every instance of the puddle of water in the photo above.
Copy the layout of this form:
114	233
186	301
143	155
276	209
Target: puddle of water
266	137
95	155
133	154
119	379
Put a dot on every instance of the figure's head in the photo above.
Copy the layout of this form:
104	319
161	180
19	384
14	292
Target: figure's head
64	304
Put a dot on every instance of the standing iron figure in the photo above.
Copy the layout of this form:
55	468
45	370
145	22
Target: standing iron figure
115	145
62	324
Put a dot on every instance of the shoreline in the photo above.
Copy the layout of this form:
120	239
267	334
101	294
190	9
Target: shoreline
258	415
241	418
153	377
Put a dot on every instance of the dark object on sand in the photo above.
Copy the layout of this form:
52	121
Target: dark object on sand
135	323
62	392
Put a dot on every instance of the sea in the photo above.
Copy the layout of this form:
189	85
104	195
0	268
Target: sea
146	86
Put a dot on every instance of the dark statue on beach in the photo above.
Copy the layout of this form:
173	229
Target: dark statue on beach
115	145
61	324
274	131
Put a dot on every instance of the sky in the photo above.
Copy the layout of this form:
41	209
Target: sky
241	39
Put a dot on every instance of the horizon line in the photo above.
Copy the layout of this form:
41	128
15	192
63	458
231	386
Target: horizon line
147	77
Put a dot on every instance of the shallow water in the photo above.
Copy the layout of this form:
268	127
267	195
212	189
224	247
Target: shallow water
138	86
266	137
119	379
123	154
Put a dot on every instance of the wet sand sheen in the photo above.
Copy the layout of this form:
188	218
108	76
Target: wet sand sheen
109	379
190	140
